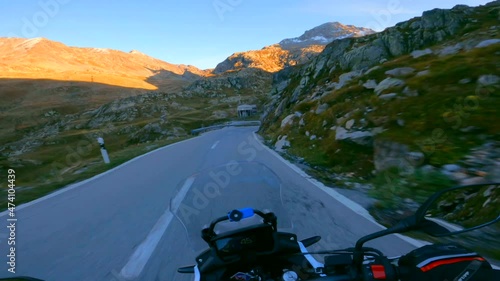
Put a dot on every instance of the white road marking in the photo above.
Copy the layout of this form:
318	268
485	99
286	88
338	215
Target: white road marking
143	253
339	197
78	184
176	203
215	145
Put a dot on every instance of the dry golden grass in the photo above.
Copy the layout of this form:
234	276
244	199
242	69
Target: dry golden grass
107	79
44	59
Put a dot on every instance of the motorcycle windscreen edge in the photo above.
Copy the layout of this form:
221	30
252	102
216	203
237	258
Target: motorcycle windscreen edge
211	194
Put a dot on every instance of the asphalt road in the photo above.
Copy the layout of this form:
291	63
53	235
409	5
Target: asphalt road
118	225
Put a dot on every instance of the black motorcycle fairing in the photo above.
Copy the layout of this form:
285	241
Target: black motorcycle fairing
258	239
214	267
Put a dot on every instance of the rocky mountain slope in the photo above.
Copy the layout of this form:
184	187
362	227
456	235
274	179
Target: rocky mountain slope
290	52
44	59
399	113
324	34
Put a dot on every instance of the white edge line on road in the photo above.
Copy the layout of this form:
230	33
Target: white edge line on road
78	184
176	203
143	253
215	145
140	257
339	197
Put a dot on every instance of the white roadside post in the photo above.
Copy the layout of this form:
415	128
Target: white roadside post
104	152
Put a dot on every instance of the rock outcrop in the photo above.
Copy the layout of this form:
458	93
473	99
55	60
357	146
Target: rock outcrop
364	54
367	80
291	52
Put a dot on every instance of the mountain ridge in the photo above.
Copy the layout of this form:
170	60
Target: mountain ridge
41	58
325	34
291	51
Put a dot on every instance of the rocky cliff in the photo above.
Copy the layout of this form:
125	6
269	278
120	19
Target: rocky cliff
377	109
293	51
324	34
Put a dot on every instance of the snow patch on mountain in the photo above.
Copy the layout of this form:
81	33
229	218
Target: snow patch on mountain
30	43
320	38
101	50
325	34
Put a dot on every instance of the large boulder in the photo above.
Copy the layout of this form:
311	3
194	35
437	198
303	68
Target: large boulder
281	107
420	53
345	78
450	168
423	73
365	56
319	66
410	92
389	83
287	120
388	96
281	144
487	43
451	50
400	71
322	108
370	84
359	137
349	124
488	80
302	123
377	67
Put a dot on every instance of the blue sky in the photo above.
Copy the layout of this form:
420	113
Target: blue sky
197	32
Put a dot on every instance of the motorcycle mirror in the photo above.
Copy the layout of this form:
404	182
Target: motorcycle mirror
460	209
450	211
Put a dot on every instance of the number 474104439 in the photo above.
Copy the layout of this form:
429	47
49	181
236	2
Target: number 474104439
11	179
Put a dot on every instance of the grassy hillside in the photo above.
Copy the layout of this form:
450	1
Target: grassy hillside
432	120
48	129
444	106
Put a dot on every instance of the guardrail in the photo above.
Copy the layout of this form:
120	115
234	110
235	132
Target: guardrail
227	124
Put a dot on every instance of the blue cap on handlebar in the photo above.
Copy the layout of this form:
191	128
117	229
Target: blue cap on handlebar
237	215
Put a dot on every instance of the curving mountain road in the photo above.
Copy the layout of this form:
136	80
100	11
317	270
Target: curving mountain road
117	226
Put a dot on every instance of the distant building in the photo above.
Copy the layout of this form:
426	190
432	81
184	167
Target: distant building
246	110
